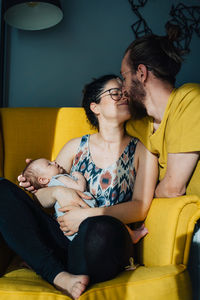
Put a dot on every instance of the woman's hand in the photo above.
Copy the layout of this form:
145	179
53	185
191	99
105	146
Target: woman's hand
69	223
24	183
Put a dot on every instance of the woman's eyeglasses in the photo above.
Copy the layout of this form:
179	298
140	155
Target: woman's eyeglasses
115	93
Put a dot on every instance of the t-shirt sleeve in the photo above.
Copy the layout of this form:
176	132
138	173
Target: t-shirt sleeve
183	132
141	129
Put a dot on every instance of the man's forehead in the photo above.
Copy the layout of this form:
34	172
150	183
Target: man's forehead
124	65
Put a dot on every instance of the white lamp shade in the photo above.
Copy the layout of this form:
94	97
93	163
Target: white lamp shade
33	15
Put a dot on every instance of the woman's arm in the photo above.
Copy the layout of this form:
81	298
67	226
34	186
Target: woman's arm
64	158
133	211
67	153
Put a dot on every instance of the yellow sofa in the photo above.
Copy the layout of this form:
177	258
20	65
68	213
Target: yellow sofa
163	253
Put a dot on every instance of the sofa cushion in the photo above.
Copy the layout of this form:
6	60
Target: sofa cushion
153	283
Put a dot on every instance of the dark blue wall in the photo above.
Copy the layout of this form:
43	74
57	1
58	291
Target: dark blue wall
50	67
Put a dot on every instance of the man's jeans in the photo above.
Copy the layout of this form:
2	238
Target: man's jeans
194	262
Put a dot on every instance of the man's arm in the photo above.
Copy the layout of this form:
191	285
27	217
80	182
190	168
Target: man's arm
180	167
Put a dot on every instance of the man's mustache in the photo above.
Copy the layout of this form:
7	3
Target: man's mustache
137	109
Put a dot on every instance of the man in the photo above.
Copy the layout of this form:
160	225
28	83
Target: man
172	131
168	119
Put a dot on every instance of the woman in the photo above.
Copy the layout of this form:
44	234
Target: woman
108	160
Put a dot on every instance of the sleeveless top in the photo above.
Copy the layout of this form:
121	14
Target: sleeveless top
110	185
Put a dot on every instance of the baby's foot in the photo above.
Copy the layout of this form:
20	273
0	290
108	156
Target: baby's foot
72	285
138	233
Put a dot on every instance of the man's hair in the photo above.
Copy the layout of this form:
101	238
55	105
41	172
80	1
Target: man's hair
158	54
91	94
31	175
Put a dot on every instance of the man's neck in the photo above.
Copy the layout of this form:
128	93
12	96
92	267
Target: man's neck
156	100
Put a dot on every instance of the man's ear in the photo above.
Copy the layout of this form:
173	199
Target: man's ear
43	180
94	108
142	73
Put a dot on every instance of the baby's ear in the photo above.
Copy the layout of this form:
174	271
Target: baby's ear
43	180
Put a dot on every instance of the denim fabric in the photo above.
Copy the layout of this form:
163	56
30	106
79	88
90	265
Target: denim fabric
194	262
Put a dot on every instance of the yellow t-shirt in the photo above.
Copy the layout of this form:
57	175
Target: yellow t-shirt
178	132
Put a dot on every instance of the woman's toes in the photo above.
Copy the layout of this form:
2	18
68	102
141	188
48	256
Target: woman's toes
78	289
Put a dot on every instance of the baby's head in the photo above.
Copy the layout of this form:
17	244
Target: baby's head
40	171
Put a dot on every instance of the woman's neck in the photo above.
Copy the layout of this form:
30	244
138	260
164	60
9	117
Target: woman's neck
112	134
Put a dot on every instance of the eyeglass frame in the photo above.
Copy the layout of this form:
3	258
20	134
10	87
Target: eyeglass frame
119	89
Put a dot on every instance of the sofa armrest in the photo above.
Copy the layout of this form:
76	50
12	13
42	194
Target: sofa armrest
170	223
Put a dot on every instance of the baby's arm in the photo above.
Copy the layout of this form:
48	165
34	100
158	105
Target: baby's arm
78	184
45	196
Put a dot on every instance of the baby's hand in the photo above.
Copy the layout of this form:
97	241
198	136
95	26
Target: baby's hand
78	176
80	179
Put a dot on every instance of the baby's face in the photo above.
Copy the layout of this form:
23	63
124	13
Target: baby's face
48	168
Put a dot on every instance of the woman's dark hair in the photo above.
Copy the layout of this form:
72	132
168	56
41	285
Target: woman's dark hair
158	54
91	94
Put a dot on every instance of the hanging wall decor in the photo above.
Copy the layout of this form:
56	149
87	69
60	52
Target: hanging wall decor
184	21
140	27
187	20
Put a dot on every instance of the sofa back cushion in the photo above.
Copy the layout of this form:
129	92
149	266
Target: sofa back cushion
41	132
37	132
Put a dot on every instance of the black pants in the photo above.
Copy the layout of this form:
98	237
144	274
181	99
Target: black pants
101	249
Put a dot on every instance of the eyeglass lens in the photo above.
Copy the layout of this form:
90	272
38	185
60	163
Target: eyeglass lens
116	94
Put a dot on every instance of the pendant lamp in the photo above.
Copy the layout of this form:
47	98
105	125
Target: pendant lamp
32	15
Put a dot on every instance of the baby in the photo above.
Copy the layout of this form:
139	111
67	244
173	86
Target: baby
43	172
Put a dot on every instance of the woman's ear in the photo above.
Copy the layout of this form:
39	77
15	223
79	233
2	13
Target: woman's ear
43	180
94	108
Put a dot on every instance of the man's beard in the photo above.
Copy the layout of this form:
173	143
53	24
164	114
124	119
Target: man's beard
137	96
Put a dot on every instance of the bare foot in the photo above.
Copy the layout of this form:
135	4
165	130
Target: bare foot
72	285
138	233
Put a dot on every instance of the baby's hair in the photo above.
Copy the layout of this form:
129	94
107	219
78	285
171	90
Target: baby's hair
30	174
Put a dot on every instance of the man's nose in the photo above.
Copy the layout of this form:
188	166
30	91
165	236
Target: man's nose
123	89
124	92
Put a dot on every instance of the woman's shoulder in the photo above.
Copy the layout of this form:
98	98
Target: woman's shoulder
73	142
78	142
